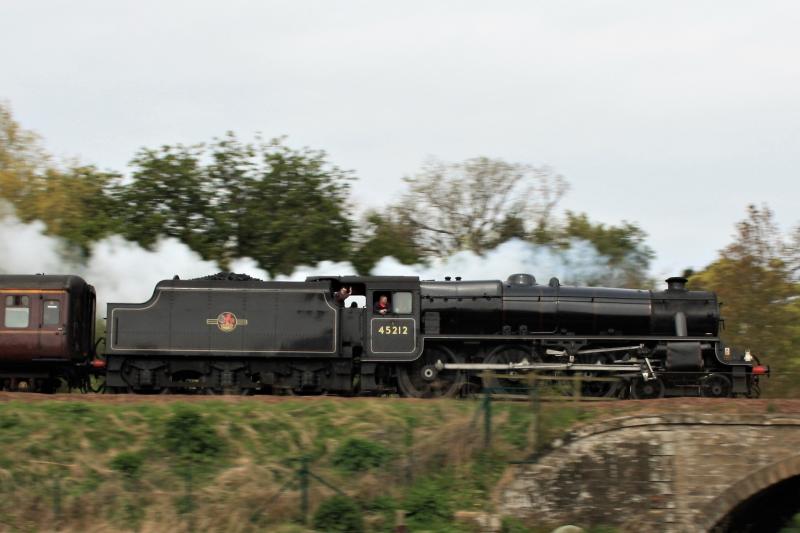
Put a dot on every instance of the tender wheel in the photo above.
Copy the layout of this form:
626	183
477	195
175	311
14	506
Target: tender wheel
421	379
49	386
642	389
144	390
503	355
716	386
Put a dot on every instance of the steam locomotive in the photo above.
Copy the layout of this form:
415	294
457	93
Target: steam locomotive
230	333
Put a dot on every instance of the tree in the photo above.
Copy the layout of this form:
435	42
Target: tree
624	246
282	207
294	211
384	236
170	195
760	297
471	205
73	202
75	205
791	252
22	161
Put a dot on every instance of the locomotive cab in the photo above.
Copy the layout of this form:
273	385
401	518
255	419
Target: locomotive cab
387	311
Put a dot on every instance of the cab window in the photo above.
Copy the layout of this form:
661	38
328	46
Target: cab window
52	313
356	301
402	303
18	312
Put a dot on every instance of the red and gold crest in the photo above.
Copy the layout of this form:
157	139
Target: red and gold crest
227	321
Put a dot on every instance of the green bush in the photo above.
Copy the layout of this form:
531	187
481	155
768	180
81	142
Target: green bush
380	513
380	504
129	464
9	421
792	526
192	439
359	455
511	524
339	514
427	503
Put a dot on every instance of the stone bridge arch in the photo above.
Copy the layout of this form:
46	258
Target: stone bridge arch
744	489
676	472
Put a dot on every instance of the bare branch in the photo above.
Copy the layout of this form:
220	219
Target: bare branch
464	205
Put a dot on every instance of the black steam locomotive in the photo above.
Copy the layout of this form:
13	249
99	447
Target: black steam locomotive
231	333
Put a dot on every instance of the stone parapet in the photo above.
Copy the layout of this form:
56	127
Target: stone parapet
671	472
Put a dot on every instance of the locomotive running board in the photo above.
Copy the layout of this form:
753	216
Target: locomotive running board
524	365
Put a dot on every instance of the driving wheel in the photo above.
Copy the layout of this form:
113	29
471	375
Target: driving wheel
421	378
503	355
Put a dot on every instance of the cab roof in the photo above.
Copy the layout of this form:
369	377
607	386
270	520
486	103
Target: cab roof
41	281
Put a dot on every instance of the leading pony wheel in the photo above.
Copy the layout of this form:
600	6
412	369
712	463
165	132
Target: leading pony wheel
647	389
421	378
716	386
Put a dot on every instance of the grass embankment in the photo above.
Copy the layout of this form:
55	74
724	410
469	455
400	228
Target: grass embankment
218	464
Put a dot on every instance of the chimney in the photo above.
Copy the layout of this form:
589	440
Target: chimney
676	283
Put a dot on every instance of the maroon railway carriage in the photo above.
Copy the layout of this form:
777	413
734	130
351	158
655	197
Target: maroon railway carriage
46	332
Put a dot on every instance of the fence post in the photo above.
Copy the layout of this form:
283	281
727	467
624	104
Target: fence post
57	500
400	522
578	388
487	420
409	474
535	408
302	475
189	496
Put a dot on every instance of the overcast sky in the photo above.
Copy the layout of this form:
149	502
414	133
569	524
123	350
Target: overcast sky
674	115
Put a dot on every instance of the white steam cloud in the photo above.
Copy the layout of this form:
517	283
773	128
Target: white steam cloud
578	264
24	248
122	271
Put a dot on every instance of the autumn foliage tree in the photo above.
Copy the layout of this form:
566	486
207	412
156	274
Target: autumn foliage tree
71	199
755	279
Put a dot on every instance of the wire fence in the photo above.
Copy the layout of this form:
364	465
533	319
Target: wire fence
184	491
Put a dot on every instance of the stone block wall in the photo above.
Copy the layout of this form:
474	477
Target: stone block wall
661	473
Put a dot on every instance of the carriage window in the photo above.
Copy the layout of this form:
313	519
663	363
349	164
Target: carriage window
52	312
17	312
402	303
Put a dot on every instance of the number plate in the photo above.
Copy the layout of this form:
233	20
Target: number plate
393	335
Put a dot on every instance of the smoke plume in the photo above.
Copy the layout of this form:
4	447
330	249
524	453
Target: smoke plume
122	271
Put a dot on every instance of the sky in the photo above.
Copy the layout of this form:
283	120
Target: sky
673	115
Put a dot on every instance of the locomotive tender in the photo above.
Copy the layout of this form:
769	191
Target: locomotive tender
230	333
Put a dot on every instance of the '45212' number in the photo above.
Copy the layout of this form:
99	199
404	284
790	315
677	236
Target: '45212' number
393	330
